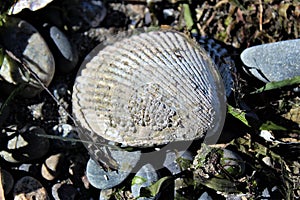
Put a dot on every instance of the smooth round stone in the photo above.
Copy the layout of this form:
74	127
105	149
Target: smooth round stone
104	179
176	162
64	191
65	54
26	44
7	181
25	145
145	177
273	62
29	188
51	168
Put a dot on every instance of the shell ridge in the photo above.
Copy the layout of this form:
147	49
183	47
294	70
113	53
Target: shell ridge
196	70
196	77
187	67
142	138
186	91
204	98
153	64
174	69
211	89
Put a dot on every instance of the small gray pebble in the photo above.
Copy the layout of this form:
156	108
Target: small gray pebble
7	181
51	168
29	188
65	54
273	62
150	176
103	179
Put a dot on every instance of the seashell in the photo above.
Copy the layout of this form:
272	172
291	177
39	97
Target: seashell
150	89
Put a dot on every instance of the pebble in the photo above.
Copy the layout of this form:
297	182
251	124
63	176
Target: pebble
51	168
176	162
25	43
145	177
273	62
65	55
104	179
29	188
24	144
7	181
101	178
64	191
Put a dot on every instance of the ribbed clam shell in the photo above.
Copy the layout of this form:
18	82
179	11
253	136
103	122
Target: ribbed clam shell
150	89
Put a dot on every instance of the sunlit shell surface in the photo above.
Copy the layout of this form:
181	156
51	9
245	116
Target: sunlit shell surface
149	89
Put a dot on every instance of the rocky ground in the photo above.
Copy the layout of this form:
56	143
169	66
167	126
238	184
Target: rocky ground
43	158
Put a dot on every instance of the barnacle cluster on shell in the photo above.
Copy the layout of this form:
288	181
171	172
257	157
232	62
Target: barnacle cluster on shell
150	89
